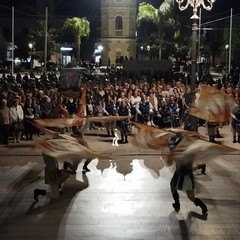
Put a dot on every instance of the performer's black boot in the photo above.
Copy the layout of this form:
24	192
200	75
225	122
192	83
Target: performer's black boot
85	168
238	139
65	165
234	139
218	134
198	202
38	192
126	139
176	204
203	167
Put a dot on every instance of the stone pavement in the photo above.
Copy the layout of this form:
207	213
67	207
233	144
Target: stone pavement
126	198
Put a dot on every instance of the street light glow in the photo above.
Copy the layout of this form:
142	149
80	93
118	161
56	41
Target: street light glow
66	48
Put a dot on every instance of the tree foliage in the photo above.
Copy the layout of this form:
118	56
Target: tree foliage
162	17
75	28
37	38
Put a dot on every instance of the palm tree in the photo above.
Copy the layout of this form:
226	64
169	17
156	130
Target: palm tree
78	27
161	17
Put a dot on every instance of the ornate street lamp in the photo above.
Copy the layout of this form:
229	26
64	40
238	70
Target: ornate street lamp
195	4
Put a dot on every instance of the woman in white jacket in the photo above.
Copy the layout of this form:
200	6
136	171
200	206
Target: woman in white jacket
16	113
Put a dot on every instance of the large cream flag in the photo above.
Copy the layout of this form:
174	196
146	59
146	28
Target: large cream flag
75	121
62	148
212	105
156	138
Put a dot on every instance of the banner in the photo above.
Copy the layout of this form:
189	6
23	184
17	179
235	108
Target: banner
70	81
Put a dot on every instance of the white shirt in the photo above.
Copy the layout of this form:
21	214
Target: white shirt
16	113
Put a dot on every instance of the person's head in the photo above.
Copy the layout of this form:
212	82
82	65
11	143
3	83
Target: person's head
28	101
3	103
144	98
172	99
135	93
15	102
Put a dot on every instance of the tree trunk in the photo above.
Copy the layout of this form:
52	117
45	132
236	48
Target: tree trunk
160	47
78	49
160	52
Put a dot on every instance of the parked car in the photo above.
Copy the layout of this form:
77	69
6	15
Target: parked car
51	67
219	68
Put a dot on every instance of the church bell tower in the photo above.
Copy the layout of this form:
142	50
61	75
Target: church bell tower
118	30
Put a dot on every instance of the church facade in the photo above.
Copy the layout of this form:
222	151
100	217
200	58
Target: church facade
118	30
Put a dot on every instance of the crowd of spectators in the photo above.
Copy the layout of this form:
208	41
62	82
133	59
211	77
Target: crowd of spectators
154	99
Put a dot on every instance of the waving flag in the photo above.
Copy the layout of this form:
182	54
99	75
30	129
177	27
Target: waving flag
197	149
212	105
60	122
155	138
191	145
62	148
75	121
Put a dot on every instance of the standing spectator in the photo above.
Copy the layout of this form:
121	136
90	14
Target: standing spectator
123	125
46	107
16	112
99	110
110	110
5	121
90	112
236	125
29	113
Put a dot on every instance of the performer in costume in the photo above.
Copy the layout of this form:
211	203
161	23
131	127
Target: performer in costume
53	176
183	178
212	130
73	167
236	125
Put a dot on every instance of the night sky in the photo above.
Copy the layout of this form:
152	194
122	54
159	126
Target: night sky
91	8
